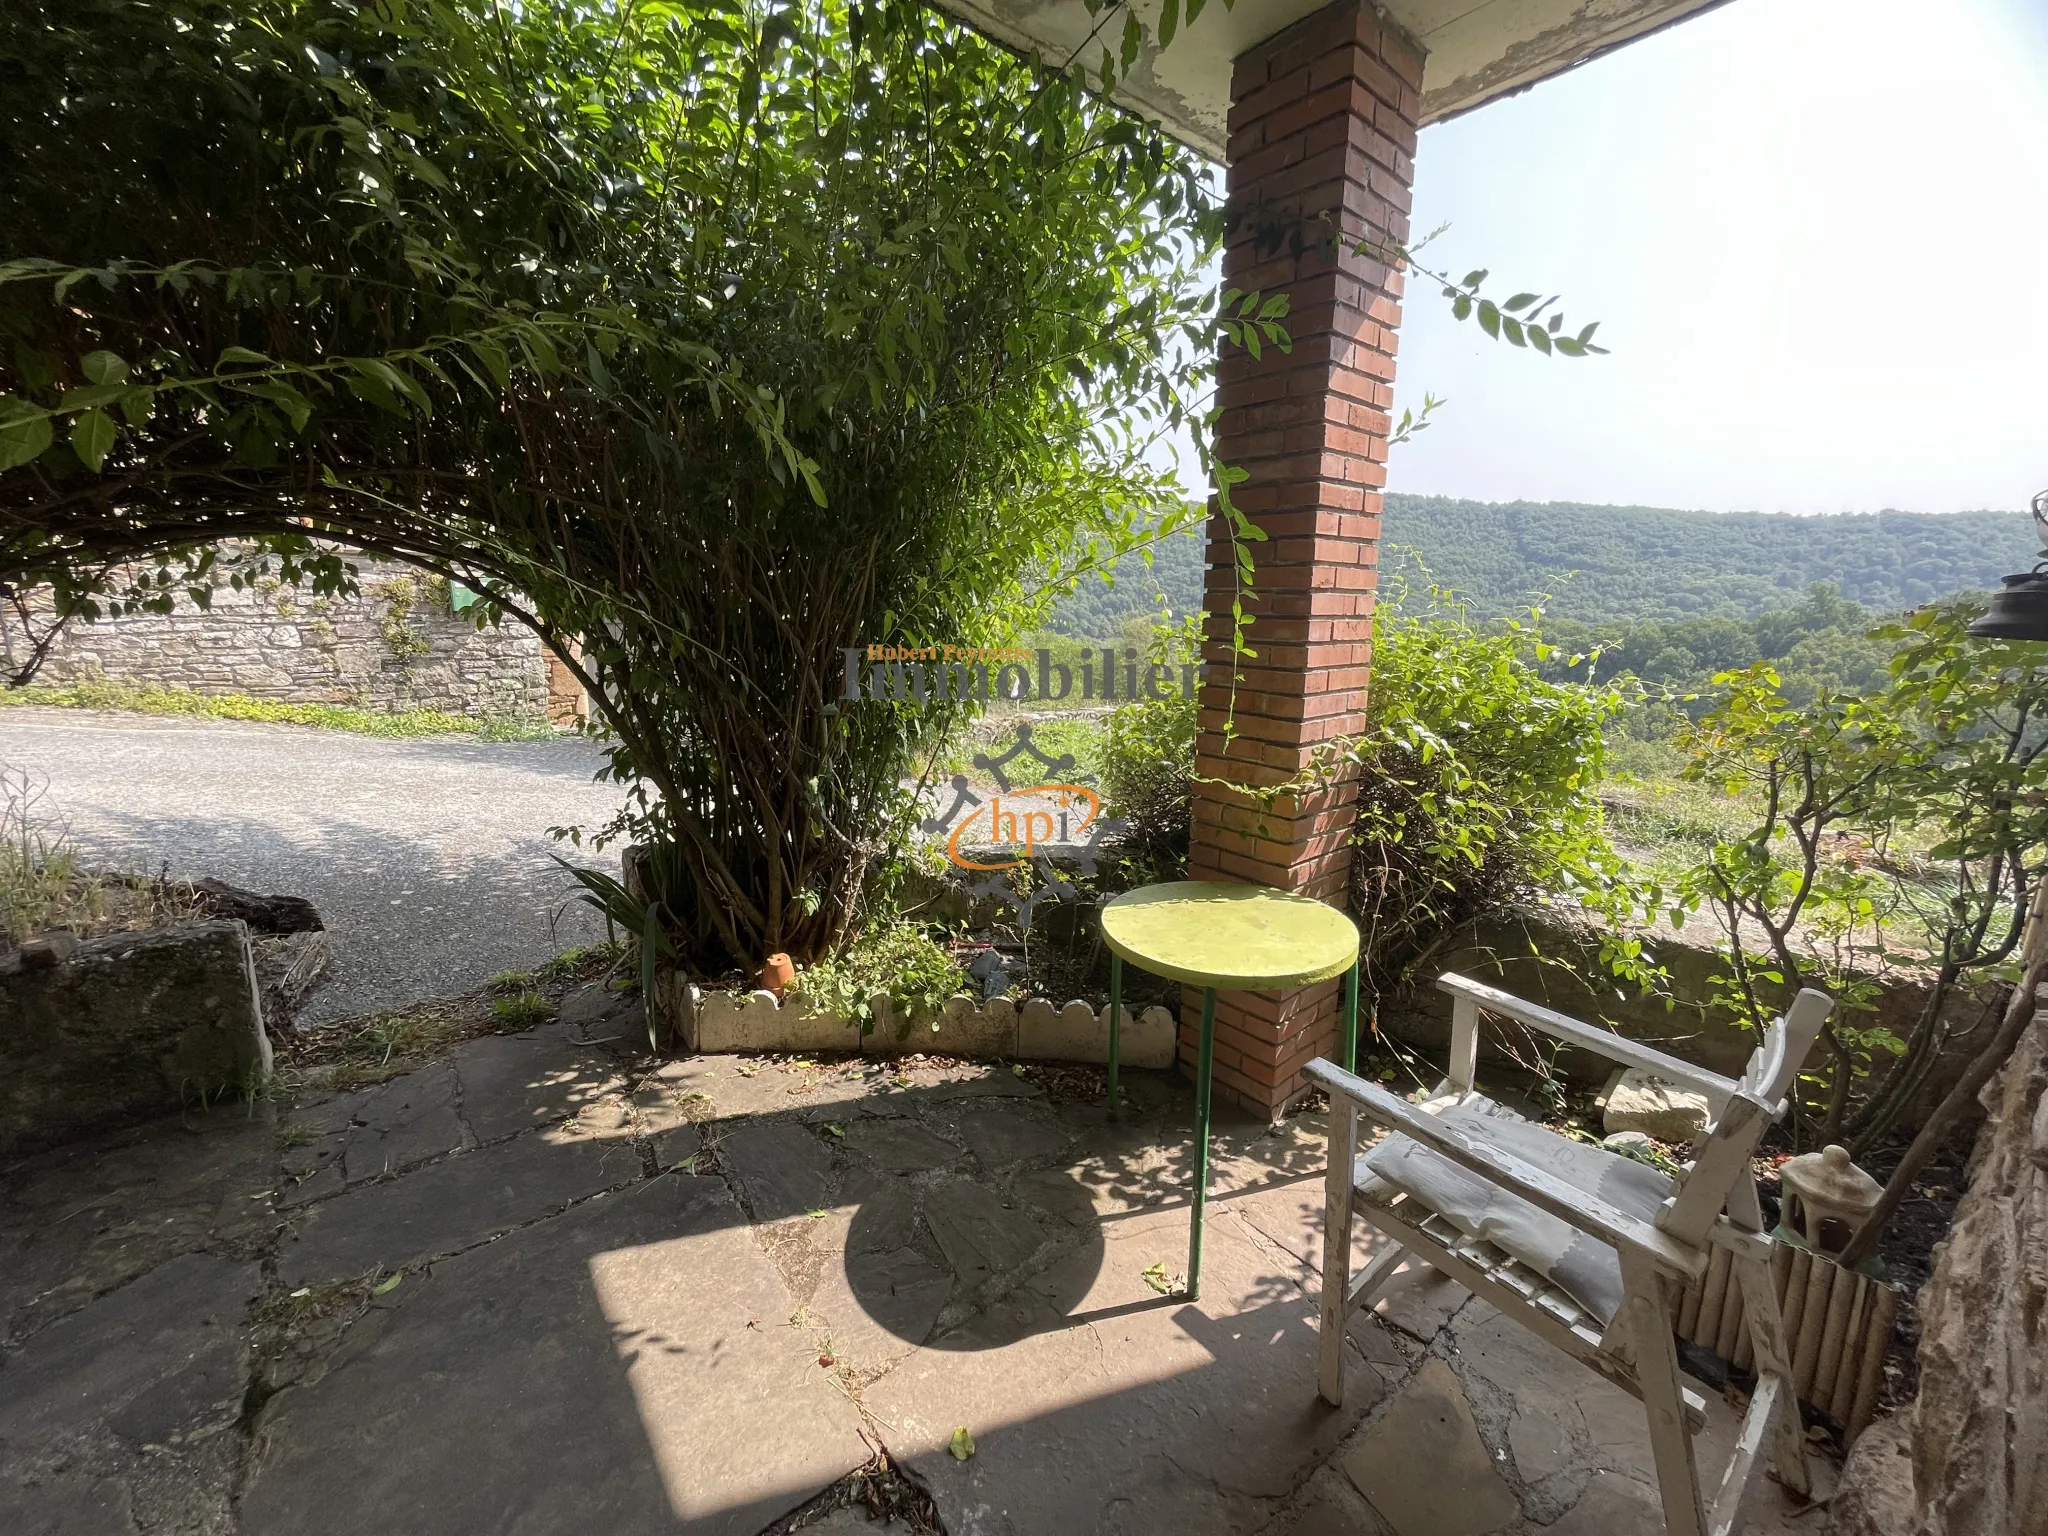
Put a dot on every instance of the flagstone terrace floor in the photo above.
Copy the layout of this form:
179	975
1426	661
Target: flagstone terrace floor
690	1298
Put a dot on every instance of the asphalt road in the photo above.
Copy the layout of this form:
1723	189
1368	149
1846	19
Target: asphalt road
427	859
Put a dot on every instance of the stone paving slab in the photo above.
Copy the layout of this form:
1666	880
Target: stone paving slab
123	1411
1132	1412
513	1083
628	1366
449	1206
82	1220
892	1251
1430	1426
411	1120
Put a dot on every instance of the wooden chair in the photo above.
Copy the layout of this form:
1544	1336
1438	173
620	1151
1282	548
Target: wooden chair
1657	1233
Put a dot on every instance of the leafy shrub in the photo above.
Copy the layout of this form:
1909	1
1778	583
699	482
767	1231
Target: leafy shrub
1480	780
1902	823
1148	764
628	318
901	959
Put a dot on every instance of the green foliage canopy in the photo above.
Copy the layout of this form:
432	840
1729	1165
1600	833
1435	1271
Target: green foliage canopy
1946	753
705	338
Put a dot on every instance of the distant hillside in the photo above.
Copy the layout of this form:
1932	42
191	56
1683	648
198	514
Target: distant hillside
1639	563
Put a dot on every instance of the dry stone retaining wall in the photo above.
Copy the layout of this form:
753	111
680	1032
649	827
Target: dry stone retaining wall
126	1028
1970	1457
398	645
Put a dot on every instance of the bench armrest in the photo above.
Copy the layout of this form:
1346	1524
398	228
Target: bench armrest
1602	1042
1575	1207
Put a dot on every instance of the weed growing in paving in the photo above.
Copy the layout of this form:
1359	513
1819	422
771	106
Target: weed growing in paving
523	1011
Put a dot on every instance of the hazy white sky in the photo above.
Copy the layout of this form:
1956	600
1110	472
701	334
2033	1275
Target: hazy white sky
1816	235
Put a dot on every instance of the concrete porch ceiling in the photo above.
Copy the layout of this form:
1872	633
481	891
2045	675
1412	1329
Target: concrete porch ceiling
1477	49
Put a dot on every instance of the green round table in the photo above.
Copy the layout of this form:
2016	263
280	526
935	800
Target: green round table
1234	938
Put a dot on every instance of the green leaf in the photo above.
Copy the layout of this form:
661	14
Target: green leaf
24	433
1489	318
386	1287
242	355
496	360
1519	302
962	1444
104	367
1474	279
137	404
1169	19
1512	328
1539	339
92	437
1134	39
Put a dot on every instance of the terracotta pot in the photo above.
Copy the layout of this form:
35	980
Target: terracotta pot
777	973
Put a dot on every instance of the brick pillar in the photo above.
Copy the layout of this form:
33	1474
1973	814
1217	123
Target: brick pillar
1322	139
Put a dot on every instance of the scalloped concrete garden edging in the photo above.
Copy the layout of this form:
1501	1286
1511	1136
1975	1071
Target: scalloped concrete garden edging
1034	1030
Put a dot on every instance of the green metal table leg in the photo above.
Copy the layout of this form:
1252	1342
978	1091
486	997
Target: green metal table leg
1116	1011
1350	1025
1202	1073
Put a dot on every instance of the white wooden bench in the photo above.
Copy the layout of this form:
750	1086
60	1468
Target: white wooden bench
1648	1238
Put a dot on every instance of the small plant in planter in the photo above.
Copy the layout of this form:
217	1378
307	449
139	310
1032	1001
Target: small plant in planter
917	971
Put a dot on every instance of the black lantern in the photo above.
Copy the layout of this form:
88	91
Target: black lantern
2019	608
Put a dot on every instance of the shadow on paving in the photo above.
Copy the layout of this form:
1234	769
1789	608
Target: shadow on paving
538	1286
659	1299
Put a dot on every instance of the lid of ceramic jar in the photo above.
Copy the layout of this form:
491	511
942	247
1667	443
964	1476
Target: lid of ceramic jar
1828	1179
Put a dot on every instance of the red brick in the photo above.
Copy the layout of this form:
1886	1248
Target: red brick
1322	149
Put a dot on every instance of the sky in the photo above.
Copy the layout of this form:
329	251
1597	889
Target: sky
1815	233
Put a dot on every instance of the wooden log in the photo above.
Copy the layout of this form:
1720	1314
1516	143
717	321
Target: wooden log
1877	1337
1792	1299
1834	1338
1731	1321
263	914
1843	1397
1713	1292
1689	1308
1813	1316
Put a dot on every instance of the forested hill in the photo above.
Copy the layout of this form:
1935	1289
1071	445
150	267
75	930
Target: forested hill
1635	563
1655	563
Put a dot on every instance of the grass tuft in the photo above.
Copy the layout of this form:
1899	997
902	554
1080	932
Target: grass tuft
523	1011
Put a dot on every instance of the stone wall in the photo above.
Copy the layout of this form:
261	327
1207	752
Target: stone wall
399	645
1970	1457
127	1028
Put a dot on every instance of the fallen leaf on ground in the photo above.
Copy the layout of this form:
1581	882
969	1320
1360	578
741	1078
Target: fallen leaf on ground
387	1286
963	1444
1157	1278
